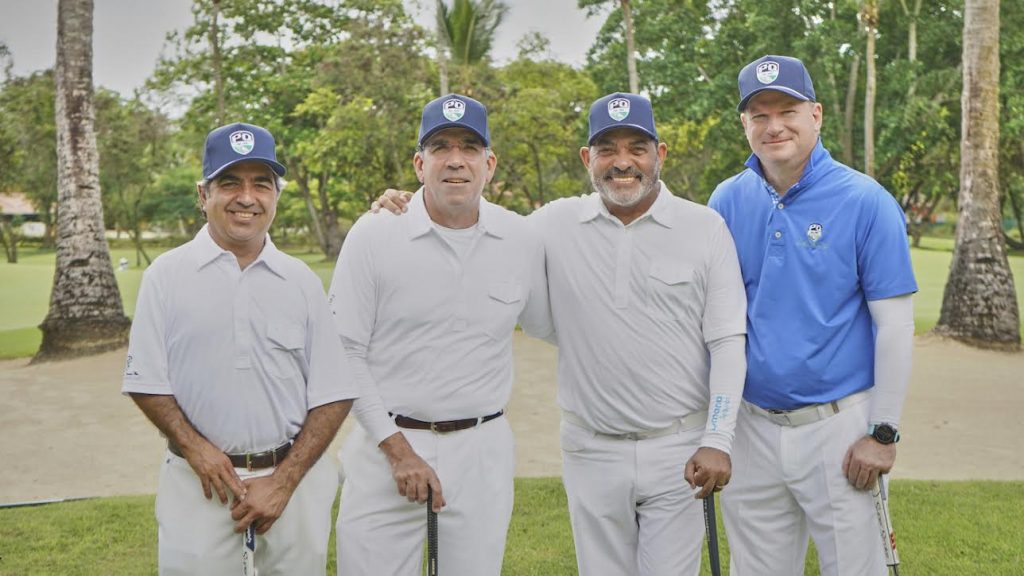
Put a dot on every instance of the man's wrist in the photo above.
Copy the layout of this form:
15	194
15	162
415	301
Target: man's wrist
884	433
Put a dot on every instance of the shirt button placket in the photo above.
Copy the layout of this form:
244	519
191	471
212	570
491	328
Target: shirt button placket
241	309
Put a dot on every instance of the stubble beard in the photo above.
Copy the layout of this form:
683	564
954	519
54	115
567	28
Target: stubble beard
609	195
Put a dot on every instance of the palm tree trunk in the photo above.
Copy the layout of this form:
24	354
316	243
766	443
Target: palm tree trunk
869	16
634	78
979	305
218	74
86	315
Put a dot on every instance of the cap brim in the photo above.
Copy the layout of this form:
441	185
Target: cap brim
276	166
787	91
636	127
440	127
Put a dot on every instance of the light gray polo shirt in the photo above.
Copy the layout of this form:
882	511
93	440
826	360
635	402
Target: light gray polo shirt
246	353
634	308
429	332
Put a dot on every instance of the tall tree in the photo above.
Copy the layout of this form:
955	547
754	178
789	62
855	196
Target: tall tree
979	305
467	29
869	19
86	315
592	7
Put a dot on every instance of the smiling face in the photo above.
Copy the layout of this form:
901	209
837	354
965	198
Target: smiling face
624	166
454	166
782	131
240	204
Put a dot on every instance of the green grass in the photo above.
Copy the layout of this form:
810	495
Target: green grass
25	288
943	528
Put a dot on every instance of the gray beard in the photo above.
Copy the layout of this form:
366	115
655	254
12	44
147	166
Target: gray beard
647	186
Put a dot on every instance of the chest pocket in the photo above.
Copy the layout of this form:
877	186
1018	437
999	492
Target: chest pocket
671	291
286	343
503	305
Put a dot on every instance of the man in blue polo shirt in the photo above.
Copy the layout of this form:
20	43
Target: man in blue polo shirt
825	261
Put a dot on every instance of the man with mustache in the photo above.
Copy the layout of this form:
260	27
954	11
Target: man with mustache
233	356
826	263
649	312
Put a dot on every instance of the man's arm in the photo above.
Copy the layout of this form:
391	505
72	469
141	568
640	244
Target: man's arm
711	467
268	495
209	463
894	342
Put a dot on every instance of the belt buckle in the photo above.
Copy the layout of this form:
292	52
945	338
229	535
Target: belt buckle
248	461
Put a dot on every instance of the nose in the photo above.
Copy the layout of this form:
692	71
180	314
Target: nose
456	158
775	126
246	194
622	160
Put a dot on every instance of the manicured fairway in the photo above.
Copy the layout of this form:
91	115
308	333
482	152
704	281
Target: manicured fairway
944	528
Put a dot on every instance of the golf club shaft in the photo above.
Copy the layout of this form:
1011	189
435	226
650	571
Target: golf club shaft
711	524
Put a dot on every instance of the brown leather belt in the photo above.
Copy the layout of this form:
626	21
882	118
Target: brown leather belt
443	427
252	461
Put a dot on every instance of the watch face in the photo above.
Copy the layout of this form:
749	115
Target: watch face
885	434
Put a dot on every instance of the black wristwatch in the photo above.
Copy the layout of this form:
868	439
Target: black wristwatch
884	433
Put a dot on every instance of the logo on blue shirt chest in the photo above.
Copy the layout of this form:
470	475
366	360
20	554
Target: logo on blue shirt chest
815	231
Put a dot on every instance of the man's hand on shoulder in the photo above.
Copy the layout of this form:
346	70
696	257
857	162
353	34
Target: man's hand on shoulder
866	459
411	473
709	468
394	201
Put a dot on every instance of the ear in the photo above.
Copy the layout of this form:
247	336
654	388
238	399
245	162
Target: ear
492	163
817	112
743	120
585	156
417	163
202	196
662	151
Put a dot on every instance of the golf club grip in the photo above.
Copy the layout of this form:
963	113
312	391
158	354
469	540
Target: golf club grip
431	534
885	530
711	525
249	551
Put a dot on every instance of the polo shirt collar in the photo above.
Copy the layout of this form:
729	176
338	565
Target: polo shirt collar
206	251
489	223
593	206
815	168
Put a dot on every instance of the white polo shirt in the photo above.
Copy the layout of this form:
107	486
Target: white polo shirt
634	308
246	353
428	332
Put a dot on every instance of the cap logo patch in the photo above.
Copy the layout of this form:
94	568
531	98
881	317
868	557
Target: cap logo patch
453	109
767	72
242	141
618	109
814	233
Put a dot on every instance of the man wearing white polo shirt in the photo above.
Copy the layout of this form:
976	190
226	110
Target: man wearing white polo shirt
649	311
233	356
426	305
825	259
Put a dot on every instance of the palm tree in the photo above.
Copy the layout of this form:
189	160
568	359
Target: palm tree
466	32
86	315
979	305
627	19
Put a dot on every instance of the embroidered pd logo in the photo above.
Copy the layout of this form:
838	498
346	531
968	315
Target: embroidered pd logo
814	233
453	109
242	141
618	109
767	72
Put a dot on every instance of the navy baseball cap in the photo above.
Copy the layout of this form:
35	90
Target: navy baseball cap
238	142
779	73
621	110
454	111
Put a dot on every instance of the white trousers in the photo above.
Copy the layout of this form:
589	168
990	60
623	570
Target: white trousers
788	483
381	533
632	512
197	535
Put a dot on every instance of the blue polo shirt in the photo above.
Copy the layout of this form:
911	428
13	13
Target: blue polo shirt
811	260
